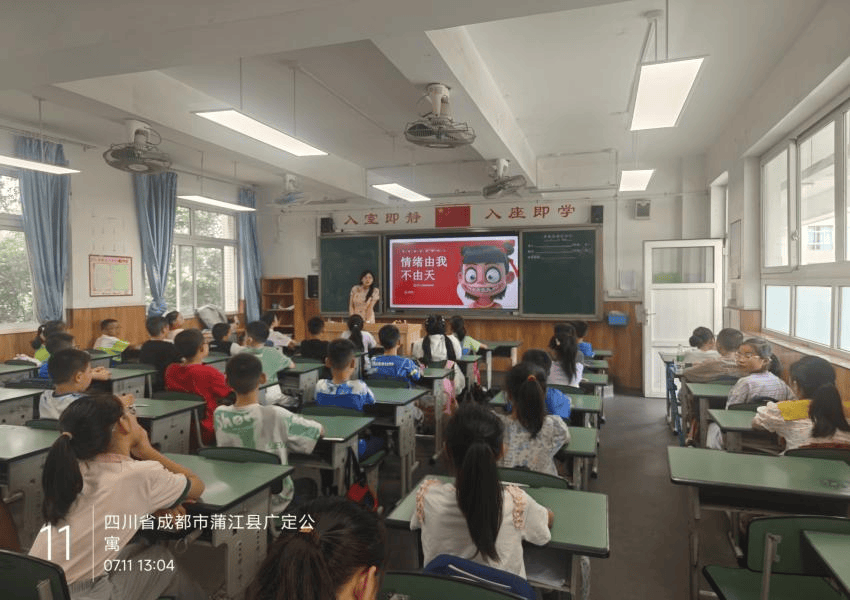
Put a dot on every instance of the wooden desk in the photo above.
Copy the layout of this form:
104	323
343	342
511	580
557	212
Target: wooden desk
168	422
603	353
595	380
240	490
99	358
300	380
217	360
734	423
16	372
494	346
596	365
834	550
331	450
768	484
581	450
131	381
22	454
588	405
394	408
435	376
580	526
410	333
709	395
17	406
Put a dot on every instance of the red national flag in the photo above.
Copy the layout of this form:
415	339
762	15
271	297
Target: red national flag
452	216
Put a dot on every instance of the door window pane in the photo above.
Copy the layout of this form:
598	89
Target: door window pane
775	210
817	196
844	335
208	275
683	265
16	299
814	314
777	308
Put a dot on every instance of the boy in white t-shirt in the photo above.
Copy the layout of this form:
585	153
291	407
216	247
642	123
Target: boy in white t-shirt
273	429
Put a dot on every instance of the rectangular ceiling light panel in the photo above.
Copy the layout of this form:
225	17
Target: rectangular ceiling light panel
235	120
663	88
401	192
635	181
11	161
217	203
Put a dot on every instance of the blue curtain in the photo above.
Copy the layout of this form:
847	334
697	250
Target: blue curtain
44	198
156	206
252	268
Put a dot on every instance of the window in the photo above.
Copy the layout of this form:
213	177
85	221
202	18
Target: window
203	268
806	233
16	292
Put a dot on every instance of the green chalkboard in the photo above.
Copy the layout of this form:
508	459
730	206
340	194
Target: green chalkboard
342	259
561	273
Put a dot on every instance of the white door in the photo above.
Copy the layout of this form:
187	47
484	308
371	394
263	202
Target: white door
683	289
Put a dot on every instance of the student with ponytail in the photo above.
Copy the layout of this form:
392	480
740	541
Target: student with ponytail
103	464
436	346
338	557
45	330
532	437
829	422
476	517
567	367
363	340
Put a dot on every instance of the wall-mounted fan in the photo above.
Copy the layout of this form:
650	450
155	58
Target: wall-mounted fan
502	183
292	192
436	128
141	154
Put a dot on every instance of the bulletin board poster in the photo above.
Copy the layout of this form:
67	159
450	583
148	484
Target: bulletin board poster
454	272
110	275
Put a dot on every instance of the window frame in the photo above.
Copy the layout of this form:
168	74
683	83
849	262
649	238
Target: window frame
12	222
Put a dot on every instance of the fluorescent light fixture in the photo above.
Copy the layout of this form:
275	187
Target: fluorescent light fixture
635	181
217	203
663	88
11	161
401	191
235	120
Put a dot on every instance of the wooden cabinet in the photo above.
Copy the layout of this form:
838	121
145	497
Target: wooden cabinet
285	296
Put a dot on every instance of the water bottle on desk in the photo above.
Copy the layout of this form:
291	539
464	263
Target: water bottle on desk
679	365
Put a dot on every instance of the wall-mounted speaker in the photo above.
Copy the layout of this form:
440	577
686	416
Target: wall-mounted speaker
326	225
312	286
596	213
642	209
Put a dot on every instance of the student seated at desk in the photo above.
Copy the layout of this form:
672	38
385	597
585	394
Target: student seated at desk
194	377
468	344
476	517
45	330
811	377
221	333
567	367
436	346
755	358
363	340
313	347
702	339
72	375
273	429
390	365
158	351
109	341
175	324
583	346
103	464
276	338
53	344
256	335
345	393
532	437
557	402
340	557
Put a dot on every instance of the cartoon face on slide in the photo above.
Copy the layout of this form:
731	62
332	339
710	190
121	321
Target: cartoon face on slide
484	275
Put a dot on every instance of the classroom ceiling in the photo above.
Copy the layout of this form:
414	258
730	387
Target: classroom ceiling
543	84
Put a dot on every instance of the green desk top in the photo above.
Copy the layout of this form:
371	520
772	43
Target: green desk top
120	374
469	358
807	477
578	402
833	550
7	394
603	353
228	483
150	409
435	373
595	378
581	518
339	429
494	344
303	367
595	364
667	357
7	369
709	390
733	420
582	442
17	441
397	396
215	357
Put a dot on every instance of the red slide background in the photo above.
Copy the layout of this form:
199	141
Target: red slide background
423	272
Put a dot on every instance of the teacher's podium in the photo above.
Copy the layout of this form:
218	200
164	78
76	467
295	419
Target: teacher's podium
410	333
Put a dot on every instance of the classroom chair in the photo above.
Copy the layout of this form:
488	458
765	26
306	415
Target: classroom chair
196	416
778	566
533	478
467	570
25	577
49	424
415	585
822	452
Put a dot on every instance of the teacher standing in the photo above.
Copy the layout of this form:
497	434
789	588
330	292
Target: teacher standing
364	297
